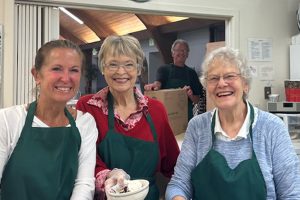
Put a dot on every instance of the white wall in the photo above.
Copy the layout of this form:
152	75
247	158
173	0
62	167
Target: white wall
1	13
1	61
7	15
273	19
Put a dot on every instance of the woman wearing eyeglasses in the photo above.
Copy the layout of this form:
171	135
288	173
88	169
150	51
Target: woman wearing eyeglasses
135	139
235	151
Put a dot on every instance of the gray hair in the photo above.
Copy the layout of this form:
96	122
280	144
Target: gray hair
121	45
180	41
231	55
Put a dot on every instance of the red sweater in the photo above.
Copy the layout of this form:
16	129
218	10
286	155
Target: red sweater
168	146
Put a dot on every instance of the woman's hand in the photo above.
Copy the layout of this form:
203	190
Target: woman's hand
116	176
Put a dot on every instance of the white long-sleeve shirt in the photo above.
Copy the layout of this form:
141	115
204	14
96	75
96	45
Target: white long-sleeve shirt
12	120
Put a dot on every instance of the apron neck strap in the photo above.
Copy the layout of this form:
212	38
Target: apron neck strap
32	109
250	128
30	114
251	120
70	117
151	124
172	69
111	123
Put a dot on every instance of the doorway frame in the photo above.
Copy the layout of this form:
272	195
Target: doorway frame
231	18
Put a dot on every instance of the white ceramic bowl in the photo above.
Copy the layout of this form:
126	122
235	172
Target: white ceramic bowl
139	194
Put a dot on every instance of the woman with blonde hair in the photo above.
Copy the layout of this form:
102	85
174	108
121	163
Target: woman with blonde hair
135	139
47	149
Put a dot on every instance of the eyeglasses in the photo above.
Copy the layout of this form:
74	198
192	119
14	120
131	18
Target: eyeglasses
115	66
227	78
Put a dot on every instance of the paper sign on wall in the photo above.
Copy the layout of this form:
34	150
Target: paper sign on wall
260	49
266	73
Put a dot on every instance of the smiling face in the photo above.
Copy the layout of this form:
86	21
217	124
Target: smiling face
180	54
59	76
120	80
226	94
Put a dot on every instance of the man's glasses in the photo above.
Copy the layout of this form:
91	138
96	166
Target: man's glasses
227	78
115	66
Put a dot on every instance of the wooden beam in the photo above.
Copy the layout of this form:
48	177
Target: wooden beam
68	35
163	42
141	35
187	25
92	45
101	30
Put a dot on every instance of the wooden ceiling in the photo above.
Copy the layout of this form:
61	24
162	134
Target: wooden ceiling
99	24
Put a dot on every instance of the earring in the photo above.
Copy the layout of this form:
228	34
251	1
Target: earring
37	91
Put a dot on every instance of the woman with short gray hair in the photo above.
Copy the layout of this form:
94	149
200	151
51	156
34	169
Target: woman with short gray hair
235	151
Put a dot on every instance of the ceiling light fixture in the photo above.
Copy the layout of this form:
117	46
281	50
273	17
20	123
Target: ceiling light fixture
140	1
71	15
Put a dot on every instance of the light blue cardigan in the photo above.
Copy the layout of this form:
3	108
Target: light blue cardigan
272	145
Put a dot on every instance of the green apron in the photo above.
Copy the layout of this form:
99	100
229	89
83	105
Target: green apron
44	163
213	179
173	82
137	157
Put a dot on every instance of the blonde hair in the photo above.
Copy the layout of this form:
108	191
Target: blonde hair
121	45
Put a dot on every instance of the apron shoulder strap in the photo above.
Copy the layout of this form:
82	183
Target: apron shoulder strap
251	120
111	122
250	128
70	117
153	130
74	127
30	114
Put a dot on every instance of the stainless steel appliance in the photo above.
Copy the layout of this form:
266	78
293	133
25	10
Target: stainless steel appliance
284	107
289	112
292	122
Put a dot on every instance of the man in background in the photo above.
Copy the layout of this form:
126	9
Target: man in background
178	75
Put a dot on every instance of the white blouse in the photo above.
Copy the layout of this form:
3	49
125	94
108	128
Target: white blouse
12	120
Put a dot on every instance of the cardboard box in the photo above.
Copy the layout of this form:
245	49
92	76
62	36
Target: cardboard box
176	104
210	46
